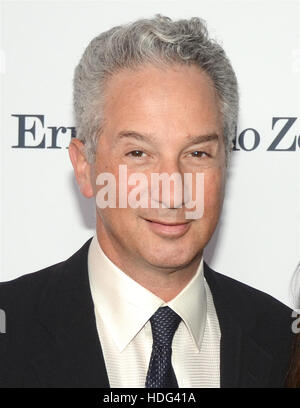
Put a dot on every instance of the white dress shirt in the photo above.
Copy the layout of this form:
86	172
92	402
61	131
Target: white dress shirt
123	309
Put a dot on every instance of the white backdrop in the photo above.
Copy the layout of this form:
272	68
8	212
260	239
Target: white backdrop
44	219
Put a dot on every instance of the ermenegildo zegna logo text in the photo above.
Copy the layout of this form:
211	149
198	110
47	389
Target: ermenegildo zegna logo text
33	133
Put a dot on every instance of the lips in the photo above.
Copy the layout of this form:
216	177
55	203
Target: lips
168	223
168	229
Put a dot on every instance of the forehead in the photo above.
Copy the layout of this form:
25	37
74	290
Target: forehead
163	101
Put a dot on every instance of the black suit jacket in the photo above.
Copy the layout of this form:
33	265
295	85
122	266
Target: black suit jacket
51	338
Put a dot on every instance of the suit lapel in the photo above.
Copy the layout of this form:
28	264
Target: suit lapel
243	362
71	355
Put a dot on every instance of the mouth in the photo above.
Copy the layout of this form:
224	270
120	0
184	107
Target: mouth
168	229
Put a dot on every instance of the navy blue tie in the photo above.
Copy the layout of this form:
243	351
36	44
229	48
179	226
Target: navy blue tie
160	374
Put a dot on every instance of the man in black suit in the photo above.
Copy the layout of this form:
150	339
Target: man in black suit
137	306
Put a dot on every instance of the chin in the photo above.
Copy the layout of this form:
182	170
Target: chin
171	259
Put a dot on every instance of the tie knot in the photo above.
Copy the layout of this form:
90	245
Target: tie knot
164	323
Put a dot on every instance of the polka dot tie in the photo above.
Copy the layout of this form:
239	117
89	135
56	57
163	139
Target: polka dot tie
160	374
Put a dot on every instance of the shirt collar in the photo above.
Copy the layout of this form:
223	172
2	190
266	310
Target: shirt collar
125	306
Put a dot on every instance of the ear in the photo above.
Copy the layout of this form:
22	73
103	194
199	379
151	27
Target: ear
82	167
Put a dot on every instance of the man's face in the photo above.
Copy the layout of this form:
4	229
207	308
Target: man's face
153	120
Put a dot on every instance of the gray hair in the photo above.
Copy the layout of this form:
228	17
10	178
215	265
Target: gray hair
295	287
157	41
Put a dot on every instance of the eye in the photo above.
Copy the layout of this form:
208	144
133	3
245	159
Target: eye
199	154
135	153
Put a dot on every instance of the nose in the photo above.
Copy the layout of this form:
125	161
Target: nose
167	187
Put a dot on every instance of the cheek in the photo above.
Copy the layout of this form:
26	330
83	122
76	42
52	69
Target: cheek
118	221
213	192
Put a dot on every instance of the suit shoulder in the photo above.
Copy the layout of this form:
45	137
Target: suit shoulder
244	299
25	289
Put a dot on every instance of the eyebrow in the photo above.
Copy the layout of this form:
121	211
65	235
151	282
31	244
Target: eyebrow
148	137
211	137
135	135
